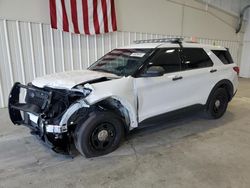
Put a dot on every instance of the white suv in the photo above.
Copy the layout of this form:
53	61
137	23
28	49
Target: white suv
94	108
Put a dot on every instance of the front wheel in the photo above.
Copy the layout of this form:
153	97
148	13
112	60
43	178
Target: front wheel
100	134
217	105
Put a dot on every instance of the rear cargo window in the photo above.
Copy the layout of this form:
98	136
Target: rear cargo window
224	56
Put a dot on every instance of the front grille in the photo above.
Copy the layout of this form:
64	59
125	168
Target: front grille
37	97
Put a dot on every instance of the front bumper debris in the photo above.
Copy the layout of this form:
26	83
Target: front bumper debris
15	107
31	114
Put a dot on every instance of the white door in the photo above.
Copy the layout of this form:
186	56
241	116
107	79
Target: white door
199	76
157	95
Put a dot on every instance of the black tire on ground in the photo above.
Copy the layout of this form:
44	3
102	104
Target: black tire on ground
100	134
218	103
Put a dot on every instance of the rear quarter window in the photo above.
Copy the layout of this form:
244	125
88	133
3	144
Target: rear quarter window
224	56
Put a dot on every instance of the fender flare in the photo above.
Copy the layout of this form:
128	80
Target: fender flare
132	115
227	84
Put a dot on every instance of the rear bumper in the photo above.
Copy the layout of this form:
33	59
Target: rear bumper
31	115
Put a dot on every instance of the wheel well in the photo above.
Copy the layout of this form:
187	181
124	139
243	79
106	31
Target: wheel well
116	106
229	90
227	85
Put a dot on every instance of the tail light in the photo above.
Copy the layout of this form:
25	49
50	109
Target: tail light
237	69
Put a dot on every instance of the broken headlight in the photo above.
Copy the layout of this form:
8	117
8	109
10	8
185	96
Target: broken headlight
86	92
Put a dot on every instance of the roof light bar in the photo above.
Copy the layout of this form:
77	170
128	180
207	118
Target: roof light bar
162	40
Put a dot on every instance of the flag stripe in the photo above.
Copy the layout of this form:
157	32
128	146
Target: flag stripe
109	15
65	18
100	16
80	16
69	15
83	16
53	16
59	14
74	16
90	16
105	16
95	16
114	26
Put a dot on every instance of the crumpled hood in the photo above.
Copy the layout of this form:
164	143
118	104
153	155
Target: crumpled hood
67	80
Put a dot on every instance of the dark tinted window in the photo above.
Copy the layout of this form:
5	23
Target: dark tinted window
168	59
195	58
224	56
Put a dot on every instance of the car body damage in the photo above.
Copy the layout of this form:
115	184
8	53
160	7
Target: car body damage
121	90
109	94
94	108
53	106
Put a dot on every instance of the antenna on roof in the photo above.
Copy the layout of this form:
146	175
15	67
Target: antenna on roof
162	40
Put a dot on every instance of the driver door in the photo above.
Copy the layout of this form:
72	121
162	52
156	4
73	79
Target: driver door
160	94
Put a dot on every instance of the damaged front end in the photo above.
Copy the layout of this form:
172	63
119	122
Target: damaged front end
47	112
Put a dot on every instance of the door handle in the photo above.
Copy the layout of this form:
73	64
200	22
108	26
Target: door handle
177	78
213	70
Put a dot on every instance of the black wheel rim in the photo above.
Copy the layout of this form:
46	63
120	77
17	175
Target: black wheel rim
219	104
103	136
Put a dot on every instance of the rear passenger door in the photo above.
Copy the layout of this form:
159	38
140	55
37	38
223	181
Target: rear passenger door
198	76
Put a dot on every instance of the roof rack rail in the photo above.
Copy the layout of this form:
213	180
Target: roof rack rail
162	40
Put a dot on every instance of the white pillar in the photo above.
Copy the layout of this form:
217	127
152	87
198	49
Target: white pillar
245	58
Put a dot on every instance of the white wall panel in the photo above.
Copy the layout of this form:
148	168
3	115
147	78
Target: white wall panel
245	60
28	50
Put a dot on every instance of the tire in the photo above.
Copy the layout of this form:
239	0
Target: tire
218	103
100	134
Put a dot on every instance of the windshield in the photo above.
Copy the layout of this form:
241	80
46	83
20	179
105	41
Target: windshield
122	62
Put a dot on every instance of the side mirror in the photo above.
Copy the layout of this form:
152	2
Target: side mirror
153	71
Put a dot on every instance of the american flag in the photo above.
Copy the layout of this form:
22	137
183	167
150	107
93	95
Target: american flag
83	16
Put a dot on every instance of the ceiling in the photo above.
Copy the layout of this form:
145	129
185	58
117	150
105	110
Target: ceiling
231	6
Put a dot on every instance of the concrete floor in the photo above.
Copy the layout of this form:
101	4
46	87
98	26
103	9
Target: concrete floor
187	152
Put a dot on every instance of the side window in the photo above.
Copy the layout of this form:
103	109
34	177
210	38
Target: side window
224	56
168	59
195	58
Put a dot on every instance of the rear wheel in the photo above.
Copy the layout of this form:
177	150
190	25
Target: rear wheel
100	134
217	105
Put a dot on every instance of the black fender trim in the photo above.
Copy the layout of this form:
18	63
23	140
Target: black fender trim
227	84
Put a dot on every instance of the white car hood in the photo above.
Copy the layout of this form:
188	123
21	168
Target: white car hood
67	80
